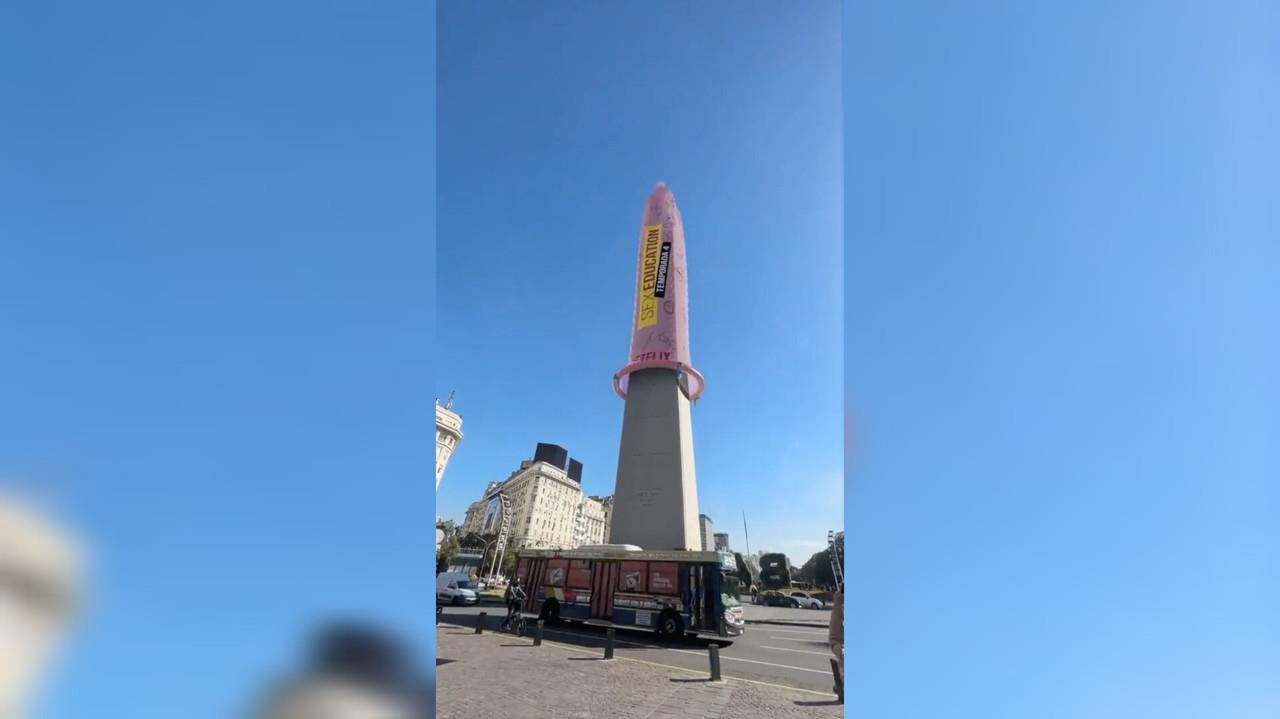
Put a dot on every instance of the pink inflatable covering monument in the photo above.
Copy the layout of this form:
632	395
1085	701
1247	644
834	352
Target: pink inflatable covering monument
660	326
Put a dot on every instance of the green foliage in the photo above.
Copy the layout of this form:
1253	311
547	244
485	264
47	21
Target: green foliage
508	563
746	575
817	570
775	571
448	548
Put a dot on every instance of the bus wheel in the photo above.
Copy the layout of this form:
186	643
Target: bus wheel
670	626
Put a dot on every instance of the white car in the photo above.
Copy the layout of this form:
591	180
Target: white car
804	601
456	589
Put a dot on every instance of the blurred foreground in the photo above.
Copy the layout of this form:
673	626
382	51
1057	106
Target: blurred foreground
40	577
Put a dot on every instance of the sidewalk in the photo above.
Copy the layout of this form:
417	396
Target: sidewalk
760	614
504	675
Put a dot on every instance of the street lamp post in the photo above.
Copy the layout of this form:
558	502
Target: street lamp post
485	550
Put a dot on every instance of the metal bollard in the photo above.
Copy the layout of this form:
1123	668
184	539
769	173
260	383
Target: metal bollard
537	634
714	651
480	623
839	687
608	643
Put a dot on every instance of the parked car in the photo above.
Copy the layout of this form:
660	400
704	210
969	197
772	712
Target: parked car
806	601
774	598
455	588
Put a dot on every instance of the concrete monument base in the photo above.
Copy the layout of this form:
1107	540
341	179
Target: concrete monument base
655	503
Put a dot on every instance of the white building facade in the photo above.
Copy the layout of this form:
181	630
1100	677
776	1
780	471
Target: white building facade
548	510
448	435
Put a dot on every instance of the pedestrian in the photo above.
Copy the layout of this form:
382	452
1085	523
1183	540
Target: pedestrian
835	634
755	592
514	597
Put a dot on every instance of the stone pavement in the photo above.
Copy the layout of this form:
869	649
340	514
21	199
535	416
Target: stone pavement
504	675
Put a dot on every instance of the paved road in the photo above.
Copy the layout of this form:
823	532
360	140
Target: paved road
788	656
812	617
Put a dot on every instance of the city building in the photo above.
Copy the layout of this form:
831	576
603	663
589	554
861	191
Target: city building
448	435
706	532
607	503
590	527
722	542
547	507
448	526
473	522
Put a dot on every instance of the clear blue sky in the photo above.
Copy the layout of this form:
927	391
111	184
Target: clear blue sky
215	333
1063	283
553	128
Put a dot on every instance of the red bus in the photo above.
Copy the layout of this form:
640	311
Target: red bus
673	593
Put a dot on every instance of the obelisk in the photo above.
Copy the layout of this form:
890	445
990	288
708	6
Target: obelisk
655	501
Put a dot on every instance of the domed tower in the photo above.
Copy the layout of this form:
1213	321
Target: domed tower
448	435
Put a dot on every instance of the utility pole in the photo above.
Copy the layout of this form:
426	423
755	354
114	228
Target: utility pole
746	536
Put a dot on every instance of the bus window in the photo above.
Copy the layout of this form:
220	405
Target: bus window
556	570
579	574
633	577
662	577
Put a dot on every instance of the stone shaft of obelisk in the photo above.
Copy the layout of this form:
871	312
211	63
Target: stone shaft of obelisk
655	501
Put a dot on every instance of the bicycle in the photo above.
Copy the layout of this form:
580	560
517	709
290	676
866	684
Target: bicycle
518	624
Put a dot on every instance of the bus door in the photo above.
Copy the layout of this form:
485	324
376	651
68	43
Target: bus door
531	579
692	591
604	579
714	583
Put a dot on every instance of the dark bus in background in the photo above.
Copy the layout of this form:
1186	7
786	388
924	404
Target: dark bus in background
671	593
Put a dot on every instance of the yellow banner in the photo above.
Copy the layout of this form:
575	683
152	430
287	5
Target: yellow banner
646	302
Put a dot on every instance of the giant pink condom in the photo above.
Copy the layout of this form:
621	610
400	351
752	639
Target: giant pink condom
660	325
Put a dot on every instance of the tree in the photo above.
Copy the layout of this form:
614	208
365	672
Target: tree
817	570
775	570
745	574
508	568
484	543
448	548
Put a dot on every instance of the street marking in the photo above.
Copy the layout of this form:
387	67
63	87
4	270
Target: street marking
799	651
694	672
723	657
788	639
805	633
771	664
